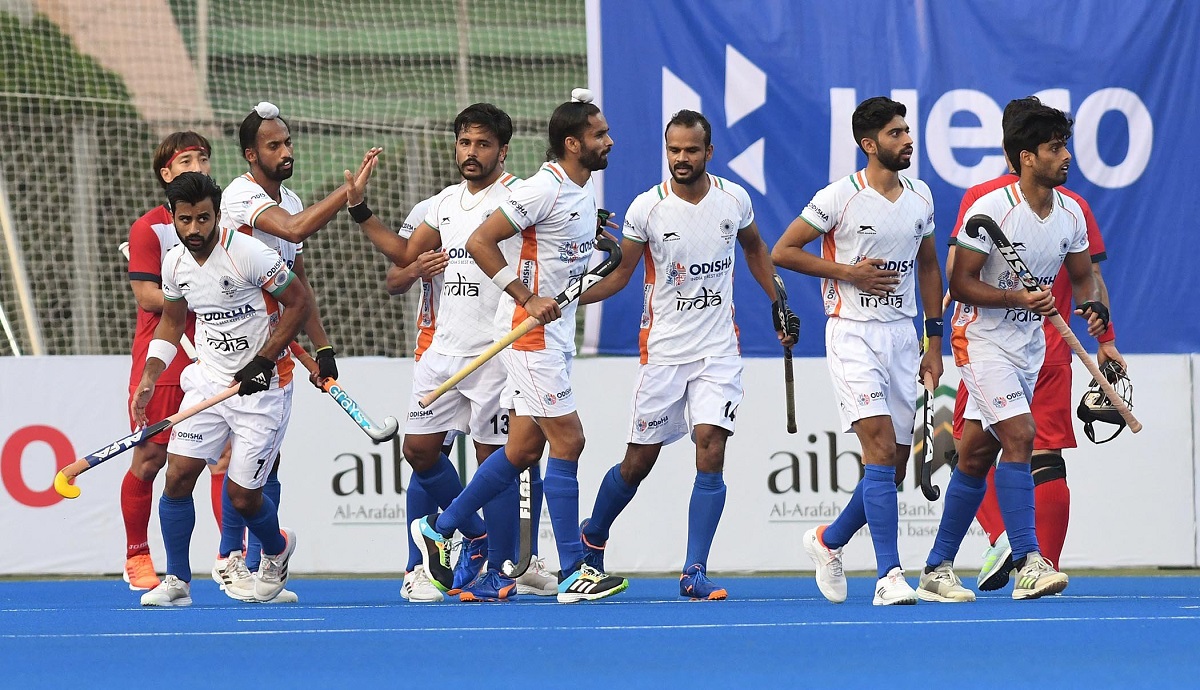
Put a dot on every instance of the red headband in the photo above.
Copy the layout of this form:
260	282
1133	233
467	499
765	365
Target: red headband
182	151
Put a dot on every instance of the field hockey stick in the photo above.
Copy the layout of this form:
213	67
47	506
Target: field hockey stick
931	491
572	293
515	570
63	481
1009	253
378	434
789	382
188	348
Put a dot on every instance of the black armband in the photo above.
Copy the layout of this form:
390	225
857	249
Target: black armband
360	213
934	328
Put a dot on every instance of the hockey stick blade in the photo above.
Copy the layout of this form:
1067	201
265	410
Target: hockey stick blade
1017	264
515	570
377	433
572	293
64	480
931	491
789	380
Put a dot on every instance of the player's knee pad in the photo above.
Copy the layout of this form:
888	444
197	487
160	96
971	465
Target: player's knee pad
1047	467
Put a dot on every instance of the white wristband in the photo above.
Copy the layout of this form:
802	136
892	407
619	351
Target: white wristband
161	349
504	277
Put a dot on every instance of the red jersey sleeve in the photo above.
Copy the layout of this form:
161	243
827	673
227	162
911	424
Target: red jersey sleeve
145	252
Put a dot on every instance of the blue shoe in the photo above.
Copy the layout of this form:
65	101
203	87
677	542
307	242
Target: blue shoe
593	555
435	552
471	558
693	583
491	585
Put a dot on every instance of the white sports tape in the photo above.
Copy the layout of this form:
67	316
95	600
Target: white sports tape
504	277
161	349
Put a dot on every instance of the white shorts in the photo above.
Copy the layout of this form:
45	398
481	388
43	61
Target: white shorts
538	384
471	406
256	422
874	369
998	390
670	399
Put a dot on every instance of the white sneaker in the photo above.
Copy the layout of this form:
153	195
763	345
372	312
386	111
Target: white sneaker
536	580
285	596
997	565
943	585
171	592
234	577
1038	578
417	587
273	570
894	589
831	579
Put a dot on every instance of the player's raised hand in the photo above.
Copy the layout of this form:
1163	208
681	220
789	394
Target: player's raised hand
432	262
869	276
356	185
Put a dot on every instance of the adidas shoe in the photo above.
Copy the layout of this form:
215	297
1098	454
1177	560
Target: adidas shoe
1037	578
997	565
694	583
273	569
831	578
170	592
537	580
491	585
943	585
586	583
435	552
139	573
417	587
893	589
234	577
472	554
593	554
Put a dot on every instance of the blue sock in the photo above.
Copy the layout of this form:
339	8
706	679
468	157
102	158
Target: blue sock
417	504
704	512
177	517
536	493
562	497
254	549
881	505
964	493
1014	492
233	525
615	493
849	521
265	525
503	517
492	477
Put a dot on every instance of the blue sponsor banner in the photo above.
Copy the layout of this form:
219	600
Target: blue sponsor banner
779	80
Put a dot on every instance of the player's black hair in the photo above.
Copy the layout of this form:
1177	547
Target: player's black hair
873	115
192	188
248	132
174	143
568	120
487	116
690	118
1033	127
1014	108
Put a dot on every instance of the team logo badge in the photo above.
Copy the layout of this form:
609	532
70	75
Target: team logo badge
641	425
1008	281
999	403
676	274
549	399
227	286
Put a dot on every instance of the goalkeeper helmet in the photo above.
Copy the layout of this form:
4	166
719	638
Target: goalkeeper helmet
1095	406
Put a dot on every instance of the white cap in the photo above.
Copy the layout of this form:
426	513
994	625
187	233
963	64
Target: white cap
581	95
267	111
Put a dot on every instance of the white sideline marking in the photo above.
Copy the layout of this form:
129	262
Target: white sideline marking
276	620
585	628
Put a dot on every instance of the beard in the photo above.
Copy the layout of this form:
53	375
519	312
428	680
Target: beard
481	171
692	175
594	159
894	162
280	173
